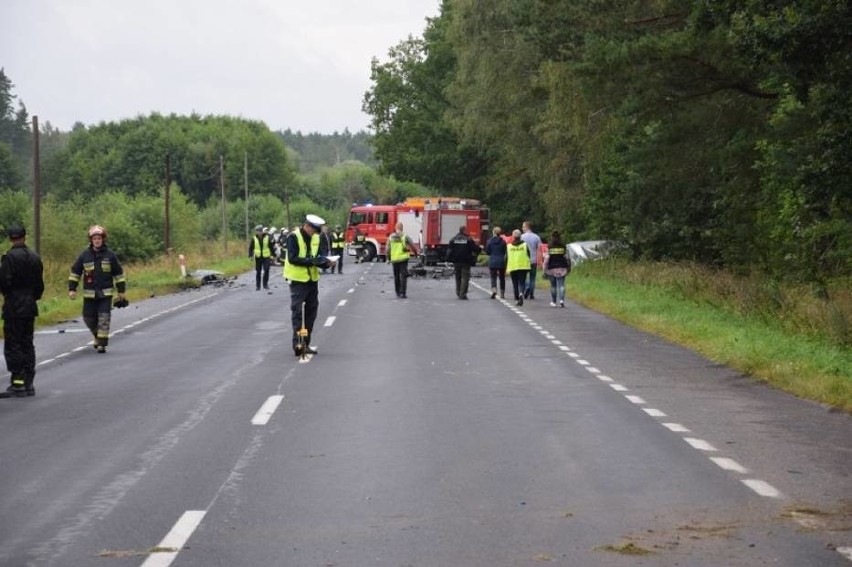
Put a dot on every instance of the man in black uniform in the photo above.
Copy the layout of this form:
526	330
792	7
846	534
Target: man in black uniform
22	284
462	252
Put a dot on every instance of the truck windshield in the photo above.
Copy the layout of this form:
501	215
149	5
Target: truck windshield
356	218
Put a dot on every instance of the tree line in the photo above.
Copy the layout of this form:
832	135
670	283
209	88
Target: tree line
114	173
715	132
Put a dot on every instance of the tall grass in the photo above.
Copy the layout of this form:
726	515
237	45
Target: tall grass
786	334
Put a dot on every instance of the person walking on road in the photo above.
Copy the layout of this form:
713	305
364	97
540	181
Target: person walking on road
338	246
462	252
400	249
102	275
261	249
517	265
557	265
305	257
533	242
22	285
496	250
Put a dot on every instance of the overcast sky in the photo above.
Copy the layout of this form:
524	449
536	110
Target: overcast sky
299	64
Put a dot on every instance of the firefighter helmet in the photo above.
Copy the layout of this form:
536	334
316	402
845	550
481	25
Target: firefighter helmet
97	230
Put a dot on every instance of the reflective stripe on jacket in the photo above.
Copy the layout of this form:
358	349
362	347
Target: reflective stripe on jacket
99	271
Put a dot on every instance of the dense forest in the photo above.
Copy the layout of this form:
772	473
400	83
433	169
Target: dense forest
716	132
114	173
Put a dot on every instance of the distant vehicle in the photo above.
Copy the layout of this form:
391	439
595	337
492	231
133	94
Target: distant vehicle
430	221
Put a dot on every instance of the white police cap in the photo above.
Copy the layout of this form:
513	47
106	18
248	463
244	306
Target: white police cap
315	221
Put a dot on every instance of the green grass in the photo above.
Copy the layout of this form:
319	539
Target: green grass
157	277
806	359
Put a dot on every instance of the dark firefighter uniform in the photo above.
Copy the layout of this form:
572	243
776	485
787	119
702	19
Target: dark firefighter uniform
102	276
22	284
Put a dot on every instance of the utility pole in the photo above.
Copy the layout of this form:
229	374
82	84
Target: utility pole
166	242
245	185
224	213
36	189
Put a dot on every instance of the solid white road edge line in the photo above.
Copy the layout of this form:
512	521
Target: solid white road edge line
175	539
264	414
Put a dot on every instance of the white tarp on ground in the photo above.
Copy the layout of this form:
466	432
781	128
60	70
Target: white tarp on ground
589	250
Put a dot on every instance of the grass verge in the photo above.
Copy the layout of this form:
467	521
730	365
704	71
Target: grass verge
806	361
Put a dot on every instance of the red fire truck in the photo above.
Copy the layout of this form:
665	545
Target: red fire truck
430	221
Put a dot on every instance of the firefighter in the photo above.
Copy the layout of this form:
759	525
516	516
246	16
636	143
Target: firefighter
305	256
462	252
22	285
360	244
338	243
260	248
103	277
400	249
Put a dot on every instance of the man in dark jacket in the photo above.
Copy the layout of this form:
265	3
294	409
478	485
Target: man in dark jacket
102	276
462	252
22	284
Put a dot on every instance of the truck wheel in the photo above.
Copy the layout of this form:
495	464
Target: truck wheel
369	253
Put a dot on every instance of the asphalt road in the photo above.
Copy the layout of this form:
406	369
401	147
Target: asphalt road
427	432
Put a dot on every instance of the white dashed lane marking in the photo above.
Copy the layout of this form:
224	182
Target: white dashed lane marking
264	414
760	487
175	539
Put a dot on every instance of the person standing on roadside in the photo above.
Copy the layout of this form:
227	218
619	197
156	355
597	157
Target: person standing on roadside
556	266
22	285
261	249
305	257
102	275
518	264
462	252
400	249
496	250
533	242
338	246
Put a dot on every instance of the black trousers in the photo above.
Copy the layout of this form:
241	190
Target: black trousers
462	274
18	348
307	294
338	252
498	275
97	315
519	278
400	277
261	265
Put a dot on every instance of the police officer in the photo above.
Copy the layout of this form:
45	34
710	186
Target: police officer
400	249
305	256
102	275
462	252
338	243
22	285
260	248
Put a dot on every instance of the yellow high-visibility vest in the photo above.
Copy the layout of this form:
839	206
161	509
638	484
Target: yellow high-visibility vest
261	248
296	273
398	249
518	257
